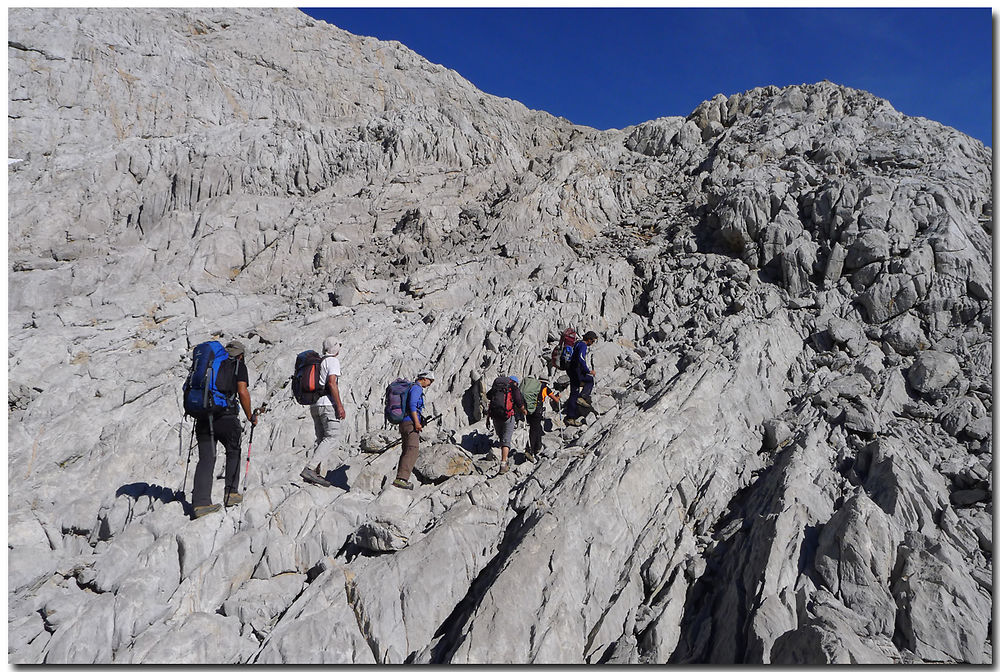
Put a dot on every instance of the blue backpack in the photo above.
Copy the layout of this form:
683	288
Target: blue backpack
396	396
211	385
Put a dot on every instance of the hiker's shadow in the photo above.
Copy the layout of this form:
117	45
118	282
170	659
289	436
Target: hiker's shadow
476	442
338	478
153	492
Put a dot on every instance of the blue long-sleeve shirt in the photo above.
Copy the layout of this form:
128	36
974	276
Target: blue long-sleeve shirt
415	401
578	362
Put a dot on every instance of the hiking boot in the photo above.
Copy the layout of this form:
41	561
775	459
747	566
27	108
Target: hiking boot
200	511
504	468
310	476
403	485
234	498
530	456
584	402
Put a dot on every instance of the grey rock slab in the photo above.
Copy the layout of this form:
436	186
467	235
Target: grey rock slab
905	335
289	181
87	639
855	557
441	461
430	577
320	627
28	638
199	636
931	371
777	434
968	497
932	577
961	412
261	603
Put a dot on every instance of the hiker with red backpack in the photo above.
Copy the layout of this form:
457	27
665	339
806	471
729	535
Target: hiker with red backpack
215	390
405	407
316	383
504	400
581	379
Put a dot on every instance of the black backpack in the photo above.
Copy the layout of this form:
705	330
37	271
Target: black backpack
501	396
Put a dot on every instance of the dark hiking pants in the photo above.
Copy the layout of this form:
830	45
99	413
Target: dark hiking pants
579	386
535	433
227	431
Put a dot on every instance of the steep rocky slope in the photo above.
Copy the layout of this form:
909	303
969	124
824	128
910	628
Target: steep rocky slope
792	286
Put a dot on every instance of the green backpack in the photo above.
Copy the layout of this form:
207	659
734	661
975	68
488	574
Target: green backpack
531	390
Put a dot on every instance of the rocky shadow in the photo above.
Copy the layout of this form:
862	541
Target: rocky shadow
477	443
338	477
154	492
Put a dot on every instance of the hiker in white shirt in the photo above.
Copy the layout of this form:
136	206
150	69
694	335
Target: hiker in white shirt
327	413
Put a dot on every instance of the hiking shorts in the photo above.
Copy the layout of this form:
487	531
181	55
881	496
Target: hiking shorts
505	429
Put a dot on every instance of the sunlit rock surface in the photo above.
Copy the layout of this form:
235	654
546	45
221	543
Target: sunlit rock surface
793	457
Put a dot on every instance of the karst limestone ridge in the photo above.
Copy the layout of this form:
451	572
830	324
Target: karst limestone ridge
793	457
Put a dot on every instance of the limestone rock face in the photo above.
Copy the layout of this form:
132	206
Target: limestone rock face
789	458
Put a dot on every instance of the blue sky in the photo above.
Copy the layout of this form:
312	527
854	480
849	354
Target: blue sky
611	68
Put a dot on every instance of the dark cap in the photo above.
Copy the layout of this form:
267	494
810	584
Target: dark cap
590	336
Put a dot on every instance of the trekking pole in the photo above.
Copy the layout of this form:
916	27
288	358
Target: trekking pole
246	473
562	421
190	448
399	440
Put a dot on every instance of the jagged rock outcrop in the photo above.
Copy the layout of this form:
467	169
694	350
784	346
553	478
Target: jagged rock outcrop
793	457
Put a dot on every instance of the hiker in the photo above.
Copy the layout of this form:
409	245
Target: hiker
410	428
327	413
535	392
222	426
581	380
505	400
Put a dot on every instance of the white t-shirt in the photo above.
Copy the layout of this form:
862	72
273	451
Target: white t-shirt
329	367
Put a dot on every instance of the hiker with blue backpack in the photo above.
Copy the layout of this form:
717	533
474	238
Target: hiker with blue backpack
316	383
405	407
215	390
581	379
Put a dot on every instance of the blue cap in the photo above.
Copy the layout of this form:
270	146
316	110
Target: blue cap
515	379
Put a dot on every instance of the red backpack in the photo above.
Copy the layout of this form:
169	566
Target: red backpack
307	388
563	352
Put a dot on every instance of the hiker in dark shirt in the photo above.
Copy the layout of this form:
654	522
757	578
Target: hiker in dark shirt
505	400
581	379
223	427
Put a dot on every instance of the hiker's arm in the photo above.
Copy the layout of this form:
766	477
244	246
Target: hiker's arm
519	400
244	393
334	391
415	417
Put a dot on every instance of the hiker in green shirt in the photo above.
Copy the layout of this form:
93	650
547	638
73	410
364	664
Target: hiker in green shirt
535	392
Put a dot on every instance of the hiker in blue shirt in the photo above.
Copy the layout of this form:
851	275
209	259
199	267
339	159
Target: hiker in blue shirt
415	401
581	380
409	429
